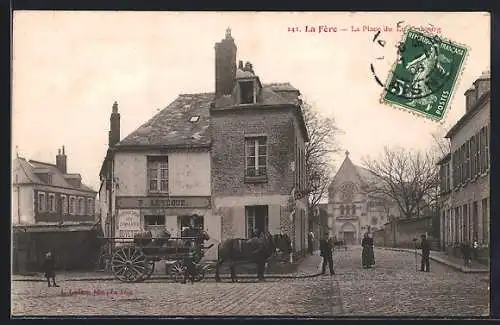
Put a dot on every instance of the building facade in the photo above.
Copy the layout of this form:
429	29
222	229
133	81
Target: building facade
52	210
465	181
352	208
232	159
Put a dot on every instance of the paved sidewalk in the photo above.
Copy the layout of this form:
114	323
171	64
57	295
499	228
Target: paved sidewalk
309	267
443	258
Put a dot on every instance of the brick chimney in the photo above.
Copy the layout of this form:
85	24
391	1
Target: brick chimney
225	65
470	98
61	161
483	84
114	126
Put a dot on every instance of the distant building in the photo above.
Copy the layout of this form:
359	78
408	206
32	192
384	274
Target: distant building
54	207
353	209
465	172
232	159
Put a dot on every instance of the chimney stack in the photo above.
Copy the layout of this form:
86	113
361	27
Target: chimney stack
483	84
225	65
114	126
61	161
470	98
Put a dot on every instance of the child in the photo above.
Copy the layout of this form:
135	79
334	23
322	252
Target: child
48	268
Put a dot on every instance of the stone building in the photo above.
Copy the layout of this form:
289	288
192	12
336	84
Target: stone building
352	208
465	172
52	210
234	158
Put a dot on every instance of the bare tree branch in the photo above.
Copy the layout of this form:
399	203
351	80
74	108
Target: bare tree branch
319	152
409	178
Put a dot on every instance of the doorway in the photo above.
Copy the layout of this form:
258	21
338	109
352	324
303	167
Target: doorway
256	218
348	237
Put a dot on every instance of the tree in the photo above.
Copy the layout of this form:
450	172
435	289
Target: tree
409	178
319	152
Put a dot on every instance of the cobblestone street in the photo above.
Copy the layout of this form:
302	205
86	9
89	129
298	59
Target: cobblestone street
393	288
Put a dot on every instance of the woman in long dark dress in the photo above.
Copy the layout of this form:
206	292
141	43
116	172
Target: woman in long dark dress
367	256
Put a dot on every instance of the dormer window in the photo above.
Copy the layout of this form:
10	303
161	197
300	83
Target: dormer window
194	119
247	92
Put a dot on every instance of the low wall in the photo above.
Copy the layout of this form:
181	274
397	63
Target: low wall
401	233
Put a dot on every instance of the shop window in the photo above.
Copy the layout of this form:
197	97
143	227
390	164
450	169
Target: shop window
154	220
257	217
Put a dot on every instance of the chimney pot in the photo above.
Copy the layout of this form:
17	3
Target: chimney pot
63	150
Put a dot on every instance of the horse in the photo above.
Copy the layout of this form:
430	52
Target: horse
255	250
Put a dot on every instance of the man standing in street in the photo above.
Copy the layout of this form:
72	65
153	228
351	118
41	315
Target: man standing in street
426	251
326	249
310	242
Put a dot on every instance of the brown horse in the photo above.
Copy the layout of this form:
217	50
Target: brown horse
254	250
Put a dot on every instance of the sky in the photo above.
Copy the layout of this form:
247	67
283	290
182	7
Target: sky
69	68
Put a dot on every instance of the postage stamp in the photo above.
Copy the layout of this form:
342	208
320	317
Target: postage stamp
425	75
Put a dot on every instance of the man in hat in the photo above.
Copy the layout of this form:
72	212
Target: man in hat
48	268
426	251
326	250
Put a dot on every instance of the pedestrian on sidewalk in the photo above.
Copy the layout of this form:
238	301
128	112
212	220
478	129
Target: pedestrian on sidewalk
310	242
367	255
466	253
48	267
326	251
426	251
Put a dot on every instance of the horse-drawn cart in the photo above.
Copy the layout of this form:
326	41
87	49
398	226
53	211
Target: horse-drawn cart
133	260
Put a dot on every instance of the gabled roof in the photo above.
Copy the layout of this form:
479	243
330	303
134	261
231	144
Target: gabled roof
171	127
27	174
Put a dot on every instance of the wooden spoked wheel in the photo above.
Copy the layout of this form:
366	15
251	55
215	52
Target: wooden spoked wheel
129	264
177	271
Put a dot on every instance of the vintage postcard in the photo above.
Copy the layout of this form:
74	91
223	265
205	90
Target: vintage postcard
311	164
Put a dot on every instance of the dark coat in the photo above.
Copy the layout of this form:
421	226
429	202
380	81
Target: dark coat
367	255
325	247
48	267
426	247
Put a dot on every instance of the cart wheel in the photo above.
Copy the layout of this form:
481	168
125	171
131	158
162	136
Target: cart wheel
177	271
129	264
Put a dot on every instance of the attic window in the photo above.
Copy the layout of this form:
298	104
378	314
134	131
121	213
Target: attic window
194	119
246	91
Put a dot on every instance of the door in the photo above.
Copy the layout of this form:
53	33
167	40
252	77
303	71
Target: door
349	237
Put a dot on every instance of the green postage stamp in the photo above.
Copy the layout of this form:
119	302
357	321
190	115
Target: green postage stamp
425	75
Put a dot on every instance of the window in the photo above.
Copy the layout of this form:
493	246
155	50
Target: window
187	220
154	220
72	205
353	210
347	210
457	224
247	92
158	174
465	222
41	202
374	221
467	160
256	156
256	218
486	220
478	153
486	148
64	204
52	202
77	206
81	204
473	153
90	207
475	221
342	210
